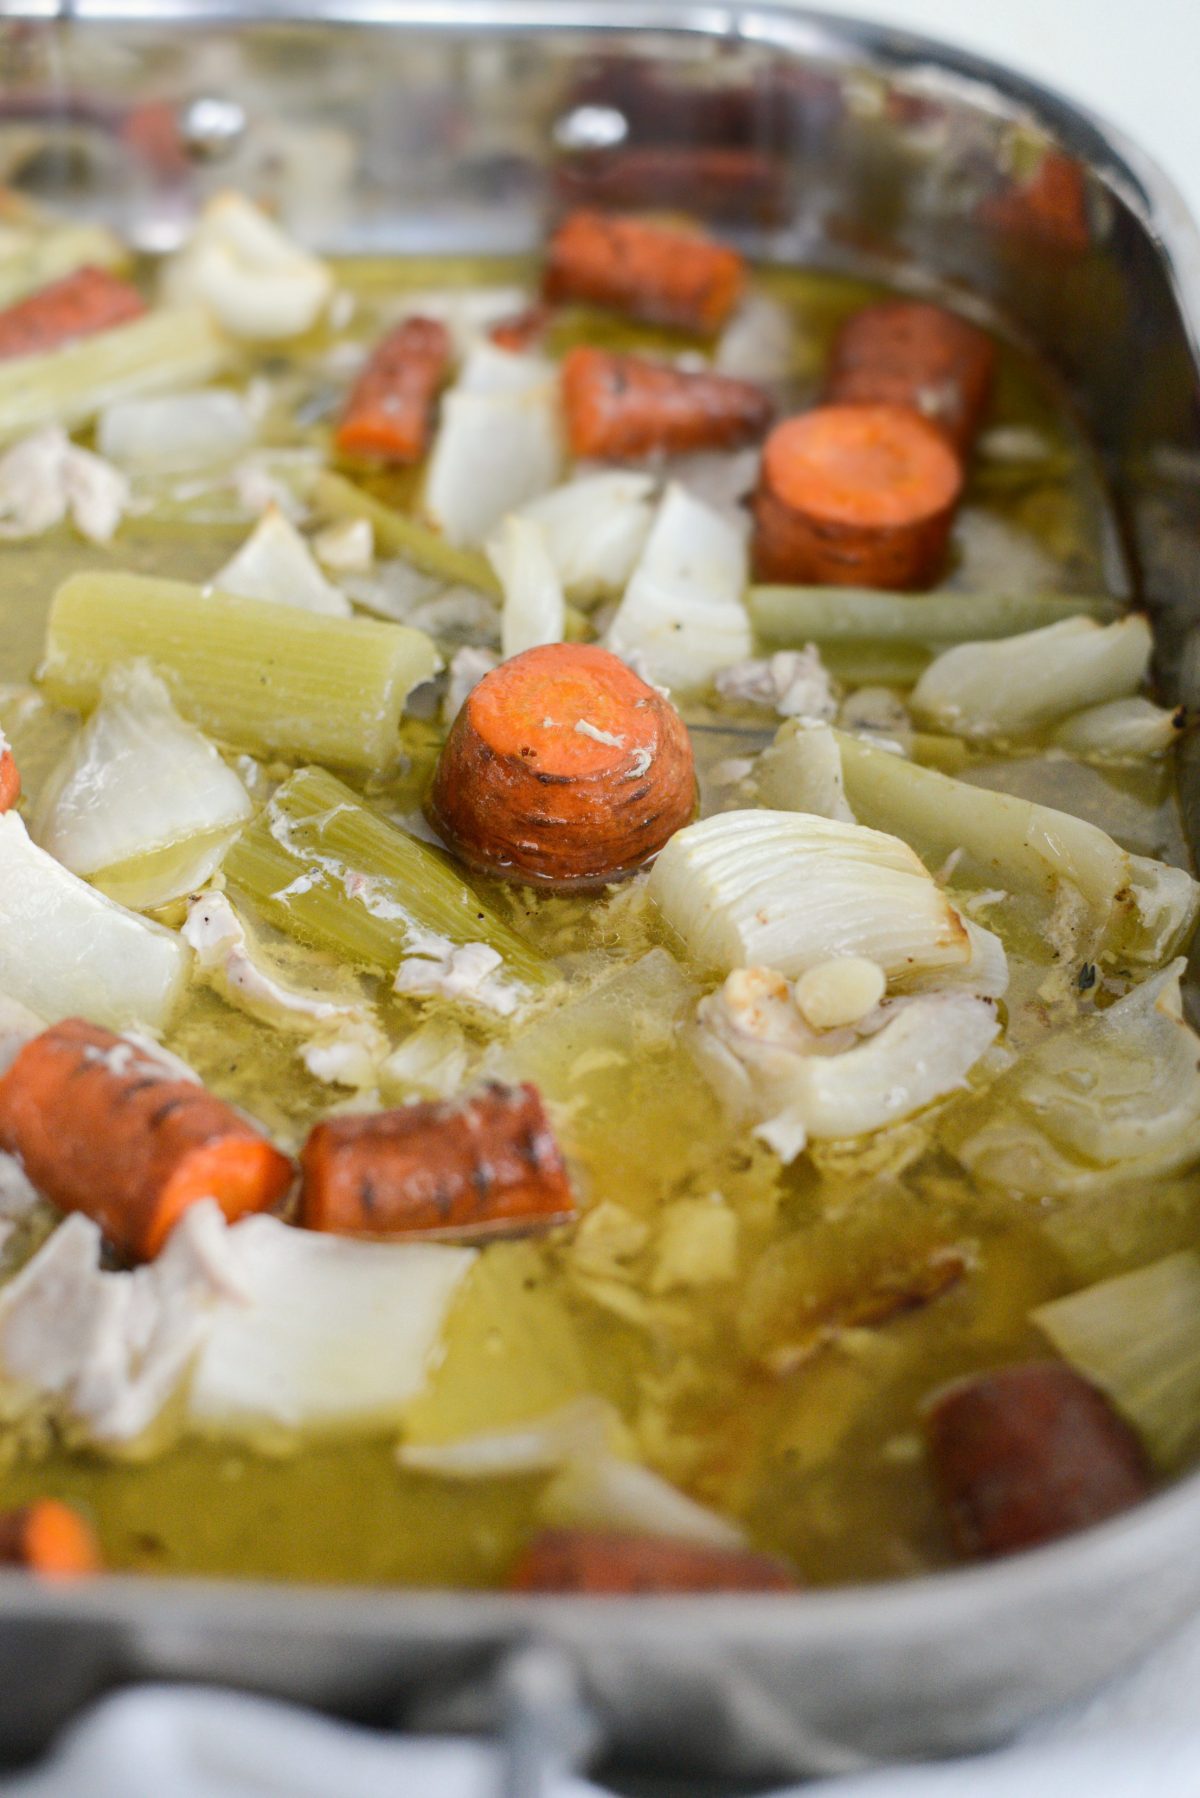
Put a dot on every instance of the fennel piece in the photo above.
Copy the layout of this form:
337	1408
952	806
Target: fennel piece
322	867
67	386
789	617
269	678
1138	1338
333	497
788	890
1011	685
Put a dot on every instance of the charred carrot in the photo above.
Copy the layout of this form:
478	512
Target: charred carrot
486	1165
50	1539
737	184
102	1126
563	769
82	304
610	1562
907	353
10	779
522	330
1023	1455
855	496
658	273
390	409
621	406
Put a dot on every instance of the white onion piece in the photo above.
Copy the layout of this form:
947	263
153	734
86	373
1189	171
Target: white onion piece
498	445
787	890
173	432
136	780
605	1493
1121	729
1119	1089
276	564
582	1429
759	342
1021	683
682	617
1164	905
802	772
232	960
255	281
67	951
596	528
330	1333
534	611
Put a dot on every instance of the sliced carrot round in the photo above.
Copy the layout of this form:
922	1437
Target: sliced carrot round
49	1538
911	353
564	769
855	496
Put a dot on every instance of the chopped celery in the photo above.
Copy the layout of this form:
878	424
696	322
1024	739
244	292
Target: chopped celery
791	616
324	868
397	535
67	386
1009	841
1138	1337
271	678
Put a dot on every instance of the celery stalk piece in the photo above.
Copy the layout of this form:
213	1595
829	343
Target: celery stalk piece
397	535
176	348
325	869
792	616
270	678
48	255
1012	842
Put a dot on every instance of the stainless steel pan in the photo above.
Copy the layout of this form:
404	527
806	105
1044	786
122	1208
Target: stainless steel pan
451	126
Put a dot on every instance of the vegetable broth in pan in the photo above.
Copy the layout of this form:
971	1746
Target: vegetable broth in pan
767	1330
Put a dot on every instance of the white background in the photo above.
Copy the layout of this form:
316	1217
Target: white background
1136	62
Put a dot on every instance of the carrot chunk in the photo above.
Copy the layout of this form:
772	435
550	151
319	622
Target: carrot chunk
621	406
48	1538
104	1128
859	496
83	303
1023	1455
563	769
654	272
10	779
522	330
486	1165
610	1562
390	409
906	353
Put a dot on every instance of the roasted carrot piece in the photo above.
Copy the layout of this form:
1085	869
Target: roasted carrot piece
486	1165
10	779
522	330
1026	1454
858	496
610	1562
563	769
659	273
621	406
908	353
103	1127
390	409
83	303
48	1538
1049	207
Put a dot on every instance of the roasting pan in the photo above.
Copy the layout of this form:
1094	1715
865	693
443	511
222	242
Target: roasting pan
455	126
